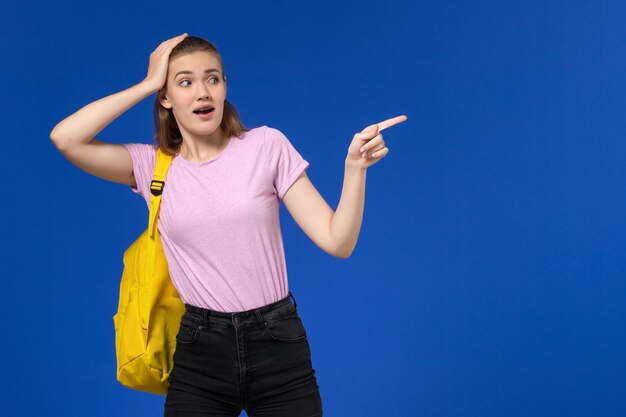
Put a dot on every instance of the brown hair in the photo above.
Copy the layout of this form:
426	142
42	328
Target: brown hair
167	135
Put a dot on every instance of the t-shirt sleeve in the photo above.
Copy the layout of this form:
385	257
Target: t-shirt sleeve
285	163
144	158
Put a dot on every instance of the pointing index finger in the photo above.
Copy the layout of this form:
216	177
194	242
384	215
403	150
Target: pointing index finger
391	122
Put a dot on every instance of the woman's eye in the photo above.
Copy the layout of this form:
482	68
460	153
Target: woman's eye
217	80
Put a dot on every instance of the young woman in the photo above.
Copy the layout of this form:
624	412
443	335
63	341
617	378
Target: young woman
241	344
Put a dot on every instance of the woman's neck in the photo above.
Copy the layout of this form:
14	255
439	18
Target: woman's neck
200	150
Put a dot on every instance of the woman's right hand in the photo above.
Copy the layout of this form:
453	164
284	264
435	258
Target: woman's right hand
159	62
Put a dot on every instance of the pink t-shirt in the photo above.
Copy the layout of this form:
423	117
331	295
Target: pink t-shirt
219	220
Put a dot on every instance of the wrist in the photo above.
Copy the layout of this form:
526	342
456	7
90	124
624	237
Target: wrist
148	87
354	165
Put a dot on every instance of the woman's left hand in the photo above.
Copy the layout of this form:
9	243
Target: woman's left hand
368	147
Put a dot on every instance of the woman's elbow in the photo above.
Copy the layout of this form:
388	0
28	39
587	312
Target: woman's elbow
342	254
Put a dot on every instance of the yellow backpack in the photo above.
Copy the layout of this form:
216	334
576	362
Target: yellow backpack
150	308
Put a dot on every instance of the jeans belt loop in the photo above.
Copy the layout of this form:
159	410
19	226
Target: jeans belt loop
259	316
294	300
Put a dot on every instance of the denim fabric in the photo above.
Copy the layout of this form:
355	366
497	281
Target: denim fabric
257	360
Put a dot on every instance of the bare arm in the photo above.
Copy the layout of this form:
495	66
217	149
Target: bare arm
336	232
74	136
345	224
80	127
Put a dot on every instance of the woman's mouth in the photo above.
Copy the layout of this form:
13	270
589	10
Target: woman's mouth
205	113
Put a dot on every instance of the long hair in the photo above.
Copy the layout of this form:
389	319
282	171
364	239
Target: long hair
167	135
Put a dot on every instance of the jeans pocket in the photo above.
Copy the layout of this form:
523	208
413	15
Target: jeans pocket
187	333
288	328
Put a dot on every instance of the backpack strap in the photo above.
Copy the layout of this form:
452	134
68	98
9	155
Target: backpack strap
163	162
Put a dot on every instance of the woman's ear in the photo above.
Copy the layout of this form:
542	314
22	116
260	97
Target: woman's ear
163	99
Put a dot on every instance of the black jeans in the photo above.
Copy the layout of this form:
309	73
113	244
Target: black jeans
257	360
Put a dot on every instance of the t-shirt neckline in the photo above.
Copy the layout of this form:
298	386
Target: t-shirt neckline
215	158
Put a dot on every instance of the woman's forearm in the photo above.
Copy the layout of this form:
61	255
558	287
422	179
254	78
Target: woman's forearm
82	126
345	223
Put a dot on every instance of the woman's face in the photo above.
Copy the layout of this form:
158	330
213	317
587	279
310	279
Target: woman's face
190	86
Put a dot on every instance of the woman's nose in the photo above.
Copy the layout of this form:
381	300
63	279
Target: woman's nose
204	92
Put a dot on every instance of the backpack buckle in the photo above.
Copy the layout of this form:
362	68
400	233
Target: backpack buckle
156	187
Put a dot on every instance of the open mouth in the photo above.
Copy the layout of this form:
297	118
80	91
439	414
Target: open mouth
204	111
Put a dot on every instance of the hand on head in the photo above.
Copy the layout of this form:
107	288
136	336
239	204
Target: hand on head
159	61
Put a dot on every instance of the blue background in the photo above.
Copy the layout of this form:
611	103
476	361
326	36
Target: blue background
488	279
